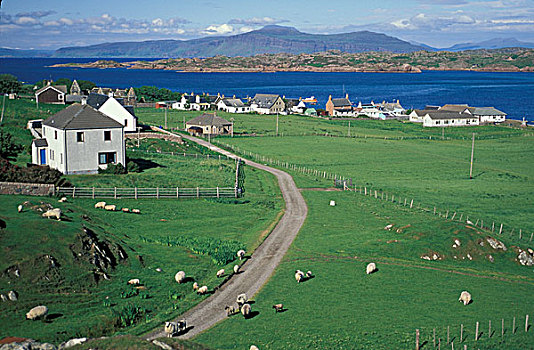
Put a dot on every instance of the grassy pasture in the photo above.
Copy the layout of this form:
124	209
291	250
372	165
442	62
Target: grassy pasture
343	308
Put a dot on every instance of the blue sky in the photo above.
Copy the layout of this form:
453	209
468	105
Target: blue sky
52	24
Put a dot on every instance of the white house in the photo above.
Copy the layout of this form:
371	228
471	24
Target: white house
232	105
267	104
115	110
489	115
417	115
185	102
371	110
79	140
446	119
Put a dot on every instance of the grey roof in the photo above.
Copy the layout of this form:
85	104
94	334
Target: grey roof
440	115
96	100
435	108
456	108
487	111
79	116
74	98
233	102
62	88
209	119
341	102
423	112
40	143
265	100
131	110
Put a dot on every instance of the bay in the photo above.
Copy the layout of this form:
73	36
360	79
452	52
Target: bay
510	92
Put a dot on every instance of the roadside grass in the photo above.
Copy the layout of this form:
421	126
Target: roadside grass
128	342
343	308
433	173
82	308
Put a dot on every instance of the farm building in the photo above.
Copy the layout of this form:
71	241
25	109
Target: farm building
233	105
209	124
446	118
51	94
79	140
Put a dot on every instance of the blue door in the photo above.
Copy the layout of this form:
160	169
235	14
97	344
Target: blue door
43	156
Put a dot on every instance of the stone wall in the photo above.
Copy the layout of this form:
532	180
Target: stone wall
26	189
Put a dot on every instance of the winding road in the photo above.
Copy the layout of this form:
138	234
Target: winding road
259	268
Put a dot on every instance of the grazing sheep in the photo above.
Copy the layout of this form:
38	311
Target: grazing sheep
202	290
231	310
125	210
3	297
20	207
241	254
309	274
134	281
299	275
371	267
110	207
245	310
37	312
62	200
54	213
179	277
171	328
278	307
465	297
136	211
100	205
241	299
236	268
195	286
253	347
12	295
469	222
220	273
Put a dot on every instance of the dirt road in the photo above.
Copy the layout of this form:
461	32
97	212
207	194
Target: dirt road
259	268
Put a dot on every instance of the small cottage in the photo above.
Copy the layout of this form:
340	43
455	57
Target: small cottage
446	119
54	94
209	124
339	107
267	104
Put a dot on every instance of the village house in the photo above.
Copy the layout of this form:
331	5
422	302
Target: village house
128	95
185	102
489	115
76	95
49	93
114	109
232	105
79	140
447	118
339	107
416	116
267	104
208	124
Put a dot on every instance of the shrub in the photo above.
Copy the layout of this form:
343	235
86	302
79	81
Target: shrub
127	316
8	148
132	167
31	174
115	169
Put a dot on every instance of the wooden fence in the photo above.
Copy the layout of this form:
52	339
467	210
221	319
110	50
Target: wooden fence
158	192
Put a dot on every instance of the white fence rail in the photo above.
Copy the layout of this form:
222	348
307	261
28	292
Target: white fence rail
138	192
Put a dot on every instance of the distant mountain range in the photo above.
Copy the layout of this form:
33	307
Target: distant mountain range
268	40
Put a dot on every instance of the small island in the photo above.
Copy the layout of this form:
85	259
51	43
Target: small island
500	60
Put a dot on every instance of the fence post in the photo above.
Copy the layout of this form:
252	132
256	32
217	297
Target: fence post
157	192
526	323
502	327
461	333
177	192
489	329
434	338
520	234
417	339
448	338
217	191
476	332
532	234
93	192
411	204
198	192
73	191
135	192
513	326
115	192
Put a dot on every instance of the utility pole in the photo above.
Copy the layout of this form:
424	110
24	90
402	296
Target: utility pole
276	124
472	154
184	122
138	135
232	120
3	107
165	117
443	133
348	133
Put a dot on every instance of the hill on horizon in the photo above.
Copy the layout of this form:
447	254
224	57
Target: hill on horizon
269	39
496	43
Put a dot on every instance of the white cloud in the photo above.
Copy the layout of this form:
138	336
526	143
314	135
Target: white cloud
257	21
24	21
218	30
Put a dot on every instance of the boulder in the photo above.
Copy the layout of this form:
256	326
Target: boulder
525	259
72	342
495	243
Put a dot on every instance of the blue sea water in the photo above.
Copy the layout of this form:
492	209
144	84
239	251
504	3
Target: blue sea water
512	93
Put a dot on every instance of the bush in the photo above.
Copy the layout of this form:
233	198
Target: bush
127	315
115	169
8	148
132	167
31	174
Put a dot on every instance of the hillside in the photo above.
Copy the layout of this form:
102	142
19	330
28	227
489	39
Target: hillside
270	39
497	43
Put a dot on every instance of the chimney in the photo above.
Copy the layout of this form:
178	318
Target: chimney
347	96
329	97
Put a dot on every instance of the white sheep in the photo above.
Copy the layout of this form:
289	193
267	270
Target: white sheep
231	310
100	205
202	290
245	310
171	328
3	297
125	210
241	254
20	207
62	200
241	299
220	273
299	275
278	307
309	274
253	347
134	281
110	207
195	286
179	277
53	213
37	312
12	295
371	267
236	268
465	297
136	211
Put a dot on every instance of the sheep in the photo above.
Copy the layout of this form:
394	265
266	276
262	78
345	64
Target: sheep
110	207
125	210
465	297
12	295
53	213
62	200
236	268
100	205
231	310
202	290
309	274
134	281
20	207
195	286
241	254
245	310
179	277
136	211
241	299
371	267
220	273
3	297
278	307
299	275
37	312
253	347
171	328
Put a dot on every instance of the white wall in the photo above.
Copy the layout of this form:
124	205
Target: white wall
113	109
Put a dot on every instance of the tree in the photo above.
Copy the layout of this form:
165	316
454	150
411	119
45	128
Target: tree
86	85
9	83
64	81
8	149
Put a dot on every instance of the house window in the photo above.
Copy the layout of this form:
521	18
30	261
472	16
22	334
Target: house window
55	134
61	158
51	154
125	122
107	135
80	137
107	157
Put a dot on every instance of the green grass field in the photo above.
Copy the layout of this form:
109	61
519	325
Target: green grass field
343	308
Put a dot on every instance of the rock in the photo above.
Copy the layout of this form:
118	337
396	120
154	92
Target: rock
388	227
17	273
425	257
72	342
332	203
17	346
469	256
454	246
158	270
162	345
495	243
43	346
457	242
490	258
531	252
3	297
12	295
525	259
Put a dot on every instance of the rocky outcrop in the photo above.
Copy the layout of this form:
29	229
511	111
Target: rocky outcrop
525	258
495	243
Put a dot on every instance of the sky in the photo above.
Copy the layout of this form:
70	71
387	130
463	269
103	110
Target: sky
51	24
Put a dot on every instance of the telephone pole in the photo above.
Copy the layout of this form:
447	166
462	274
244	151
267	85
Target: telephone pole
3	107
472	154
165	117
276	124
348	133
